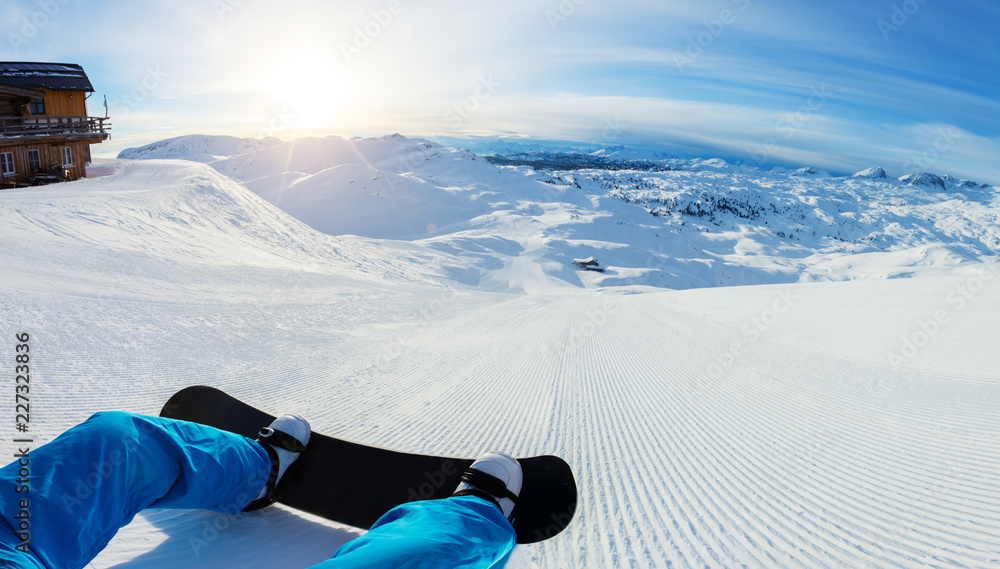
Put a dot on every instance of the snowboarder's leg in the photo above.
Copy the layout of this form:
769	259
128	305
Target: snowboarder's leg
95	477
470	530
461	531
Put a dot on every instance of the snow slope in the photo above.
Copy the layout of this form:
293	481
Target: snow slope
667	223
806	424
198	147
362	187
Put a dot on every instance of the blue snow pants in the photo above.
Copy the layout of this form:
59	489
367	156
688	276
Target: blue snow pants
62	503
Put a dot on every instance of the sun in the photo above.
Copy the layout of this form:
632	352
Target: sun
309	90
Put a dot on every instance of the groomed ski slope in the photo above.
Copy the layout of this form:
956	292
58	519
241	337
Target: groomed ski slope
759	426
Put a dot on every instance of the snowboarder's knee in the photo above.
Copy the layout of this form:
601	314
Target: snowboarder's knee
111	418
112	424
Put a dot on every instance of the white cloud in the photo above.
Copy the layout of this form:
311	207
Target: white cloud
420	67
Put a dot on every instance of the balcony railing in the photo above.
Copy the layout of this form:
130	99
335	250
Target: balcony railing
52	126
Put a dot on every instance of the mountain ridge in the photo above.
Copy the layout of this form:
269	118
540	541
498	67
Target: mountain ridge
670	223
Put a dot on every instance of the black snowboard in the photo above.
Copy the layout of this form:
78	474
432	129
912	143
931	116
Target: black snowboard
355	484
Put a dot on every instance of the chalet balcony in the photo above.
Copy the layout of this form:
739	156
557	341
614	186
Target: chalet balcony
71	127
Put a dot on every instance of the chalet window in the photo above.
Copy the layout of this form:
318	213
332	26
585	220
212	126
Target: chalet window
34	161
38	107
7	163
67	153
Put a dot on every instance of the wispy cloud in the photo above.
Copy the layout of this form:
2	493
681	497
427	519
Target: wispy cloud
560	70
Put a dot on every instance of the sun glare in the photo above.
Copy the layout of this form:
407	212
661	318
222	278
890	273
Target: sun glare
309	89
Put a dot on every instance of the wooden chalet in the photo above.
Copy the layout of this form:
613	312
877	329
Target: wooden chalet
45	133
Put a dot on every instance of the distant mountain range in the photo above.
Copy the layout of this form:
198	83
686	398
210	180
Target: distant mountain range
653	221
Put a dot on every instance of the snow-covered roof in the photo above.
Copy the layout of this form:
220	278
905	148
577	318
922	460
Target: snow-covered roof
53	76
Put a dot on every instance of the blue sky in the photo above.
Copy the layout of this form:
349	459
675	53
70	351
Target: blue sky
906	84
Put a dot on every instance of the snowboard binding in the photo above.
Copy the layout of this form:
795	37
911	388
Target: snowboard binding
284	441
495	477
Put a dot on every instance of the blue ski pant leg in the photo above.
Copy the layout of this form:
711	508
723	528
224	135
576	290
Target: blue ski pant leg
94	478
459	532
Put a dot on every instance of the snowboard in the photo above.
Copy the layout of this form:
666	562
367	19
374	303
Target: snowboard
355	484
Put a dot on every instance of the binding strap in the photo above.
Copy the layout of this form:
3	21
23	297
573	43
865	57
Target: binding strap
489	484
280	440
268	498
480	494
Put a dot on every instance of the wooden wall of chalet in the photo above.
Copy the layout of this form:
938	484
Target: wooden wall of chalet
65	103
8	107
57	103
50	153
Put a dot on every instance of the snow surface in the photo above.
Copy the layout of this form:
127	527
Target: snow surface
809	421
199	148
690	224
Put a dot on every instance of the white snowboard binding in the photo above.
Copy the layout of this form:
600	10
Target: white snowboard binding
495	477
284	440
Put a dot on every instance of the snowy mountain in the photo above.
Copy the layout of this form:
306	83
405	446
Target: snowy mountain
198	147
666	222
800	423
807	172
577	161
501	147
926	180
875	173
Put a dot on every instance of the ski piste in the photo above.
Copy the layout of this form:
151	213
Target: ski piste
355	484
